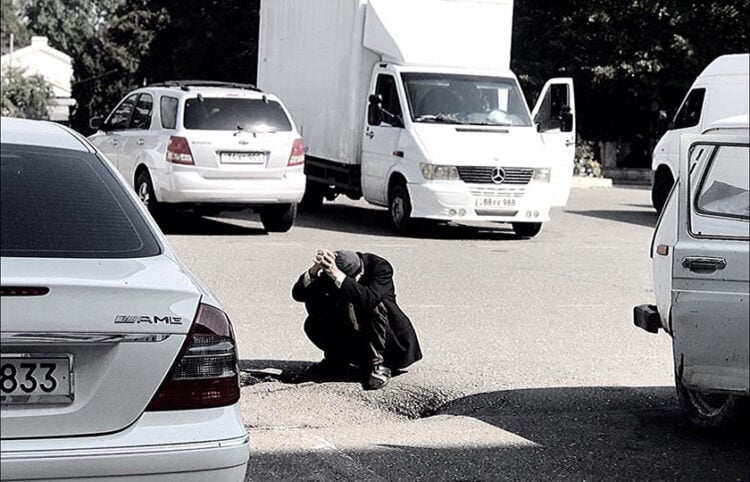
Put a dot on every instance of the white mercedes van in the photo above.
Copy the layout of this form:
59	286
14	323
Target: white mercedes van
720	91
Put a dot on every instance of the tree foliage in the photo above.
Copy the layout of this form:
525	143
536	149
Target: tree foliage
11	22
628	59
25	96
107	40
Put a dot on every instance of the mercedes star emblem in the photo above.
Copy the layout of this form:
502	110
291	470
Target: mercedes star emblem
498	175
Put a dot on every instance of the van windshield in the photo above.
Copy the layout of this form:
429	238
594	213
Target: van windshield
464	99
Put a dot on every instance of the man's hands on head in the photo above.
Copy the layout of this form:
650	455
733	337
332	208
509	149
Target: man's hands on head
325	261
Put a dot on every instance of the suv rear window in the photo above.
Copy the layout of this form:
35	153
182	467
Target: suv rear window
59	203
231	114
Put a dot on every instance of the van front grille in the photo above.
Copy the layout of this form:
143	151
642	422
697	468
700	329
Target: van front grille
484	175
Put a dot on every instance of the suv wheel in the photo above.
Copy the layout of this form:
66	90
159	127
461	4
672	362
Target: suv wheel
145	190
278	218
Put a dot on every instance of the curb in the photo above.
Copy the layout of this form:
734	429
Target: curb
591	182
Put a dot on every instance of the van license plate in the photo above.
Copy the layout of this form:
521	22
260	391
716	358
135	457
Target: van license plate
495	202
254	158
33	378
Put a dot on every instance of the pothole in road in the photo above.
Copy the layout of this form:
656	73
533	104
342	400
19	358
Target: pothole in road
401	397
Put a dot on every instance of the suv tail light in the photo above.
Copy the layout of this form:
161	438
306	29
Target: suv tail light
298	153
205	373
178	151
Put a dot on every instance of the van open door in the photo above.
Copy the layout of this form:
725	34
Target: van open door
554	116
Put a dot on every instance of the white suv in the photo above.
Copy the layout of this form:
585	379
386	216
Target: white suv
209	146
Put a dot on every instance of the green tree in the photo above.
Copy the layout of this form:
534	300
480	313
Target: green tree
25	96
107	40
11	22
206	40
628	59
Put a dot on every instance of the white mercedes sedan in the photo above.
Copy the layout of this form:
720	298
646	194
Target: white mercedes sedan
117	363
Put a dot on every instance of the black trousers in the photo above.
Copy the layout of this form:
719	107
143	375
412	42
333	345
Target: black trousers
358	339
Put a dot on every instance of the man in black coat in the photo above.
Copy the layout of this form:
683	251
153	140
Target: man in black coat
353	316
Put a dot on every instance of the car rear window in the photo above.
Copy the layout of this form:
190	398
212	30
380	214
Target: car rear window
59	203
231	114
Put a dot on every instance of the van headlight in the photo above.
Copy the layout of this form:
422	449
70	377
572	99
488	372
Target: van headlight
439	173
541	175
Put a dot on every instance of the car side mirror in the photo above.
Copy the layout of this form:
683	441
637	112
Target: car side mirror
95	123
566	119
374	110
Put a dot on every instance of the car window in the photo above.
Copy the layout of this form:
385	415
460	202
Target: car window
231	114
61	203
386	89
168	112
689	114
119	118
142	113
725	189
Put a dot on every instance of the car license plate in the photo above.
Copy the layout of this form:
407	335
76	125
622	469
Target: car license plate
34	378
495	202
254	158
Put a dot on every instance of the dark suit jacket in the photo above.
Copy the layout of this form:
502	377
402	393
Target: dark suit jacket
375	286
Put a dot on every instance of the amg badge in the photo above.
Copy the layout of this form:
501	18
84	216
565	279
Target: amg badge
152	320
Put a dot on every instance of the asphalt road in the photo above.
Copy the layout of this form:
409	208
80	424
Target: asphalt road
533	369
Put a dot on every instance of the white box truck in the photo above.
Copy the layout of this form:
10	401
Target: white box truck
412	104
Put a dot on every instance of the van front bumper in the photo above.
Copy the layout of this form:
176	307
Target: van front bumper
647	318
458	201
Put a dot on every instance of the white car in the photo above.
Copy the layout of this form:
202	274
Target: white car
116	362
207	145
700	269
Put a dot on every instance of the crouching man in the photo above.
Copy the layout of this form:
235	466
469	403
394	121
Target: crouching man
353	316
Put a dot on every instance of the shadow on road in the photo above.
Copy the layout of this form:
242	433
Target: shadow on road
187	223
640	218
376	222
580	433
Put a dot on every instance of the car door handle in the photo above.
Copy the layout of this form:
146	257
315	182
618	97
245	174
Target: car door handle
113	142
140	142
569	143
370	134
703	264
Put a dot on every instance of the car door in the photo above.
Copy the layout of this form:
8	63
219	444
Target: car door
110	141
556	100
380	144
138	139
710	299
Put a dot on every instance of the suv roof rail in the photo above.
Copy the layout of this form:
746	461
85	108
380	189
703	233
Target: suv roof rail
186	84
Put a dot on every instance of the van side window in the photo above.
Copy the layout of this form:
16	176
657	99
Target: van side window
386	88
689	114
168	111
142	114
725	189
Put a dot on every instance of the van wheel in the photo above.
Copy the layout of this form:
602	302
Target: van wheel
663	182
708	411
399	207
278	218
145	190
527	230
312	201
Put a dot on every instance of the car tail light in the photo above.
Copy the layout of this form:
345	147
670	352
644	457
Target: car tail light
205	373
178	151
298	153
